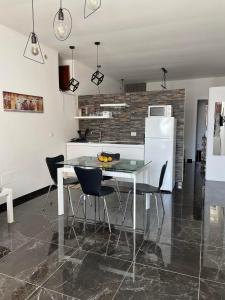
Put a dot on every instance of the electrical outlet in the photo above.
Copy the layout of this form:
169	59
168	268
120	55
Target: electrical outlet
133	133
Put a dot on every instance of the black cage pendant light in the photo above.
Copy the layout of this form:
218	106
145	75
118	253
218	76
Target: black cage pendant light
62	23
97	77
73	83
90	7
32	50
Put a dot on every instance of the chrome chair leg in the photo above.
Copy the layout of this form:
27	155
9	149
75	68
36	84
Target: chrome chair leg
125	210
161	198
107	214
78	205
157	208
45	200
118	193
49	190
70	200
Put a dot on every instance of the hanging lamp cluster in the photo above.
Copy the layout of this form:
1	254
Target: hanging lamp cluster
62	24
97	77
90	7
32	49
62	27
73	83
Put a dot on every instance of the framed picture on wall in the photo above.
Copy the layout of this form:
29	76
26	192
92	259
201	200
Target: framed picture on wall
22	103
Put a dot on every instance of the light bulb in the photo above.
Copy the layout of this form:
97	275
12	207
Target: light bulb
61	29
34	49
93	4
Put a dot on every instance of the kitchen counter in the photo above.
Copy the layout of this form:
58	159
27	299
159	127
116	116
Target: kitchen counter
129	151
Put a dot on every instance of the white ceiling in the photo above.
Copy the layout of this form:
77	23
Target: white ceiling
138	36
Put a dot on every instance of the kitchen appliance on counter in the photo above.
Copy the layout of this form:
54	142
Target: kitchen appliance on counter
82	137
160	146
160	111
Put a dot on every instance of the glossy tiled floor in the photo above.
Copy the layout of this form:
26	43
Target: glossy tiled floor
43	256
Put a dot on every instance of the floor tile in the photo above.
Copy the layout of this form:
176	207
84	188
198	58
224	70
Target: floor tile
45	294
119	244
147	283
179	256
66	232
88	276
11	238
211	291
35	261
213	263
11	288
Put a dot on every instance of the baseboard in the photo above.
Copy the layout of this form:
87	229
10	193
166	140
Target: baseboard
27	197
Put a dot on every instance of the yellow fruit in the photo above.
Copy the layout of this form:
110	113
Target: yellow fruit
110	159
105	159
101	158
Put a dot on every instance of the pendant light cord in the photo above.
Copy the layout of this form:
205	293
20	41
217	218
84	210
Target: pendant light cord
97	58
72	64
33	14
60	3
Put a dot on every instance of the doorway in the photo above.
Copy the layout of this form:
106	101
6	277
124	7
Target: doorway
201	127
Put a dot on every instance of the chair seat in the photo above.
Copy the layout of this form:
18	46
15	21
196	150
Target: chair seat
70	181
107	178
106	190
141	188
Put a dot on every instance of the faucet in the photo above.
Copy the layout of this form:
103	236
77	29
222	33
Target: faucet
100	136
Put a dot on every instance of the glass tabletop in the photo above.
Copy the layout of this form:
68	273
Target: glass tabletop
122	165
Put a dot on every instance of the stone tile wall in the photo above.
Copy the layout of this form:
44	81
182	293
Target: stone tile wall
126	120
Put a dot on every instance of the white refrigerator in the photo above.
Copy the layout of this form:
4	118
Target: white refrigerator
160	146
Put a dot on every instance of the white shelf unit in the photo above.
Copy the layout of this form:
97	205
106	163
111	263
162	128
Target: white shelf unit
92	117
118	105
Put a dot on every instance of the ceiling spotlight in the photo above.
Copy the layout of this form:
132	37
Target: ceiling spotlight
73	83
32	49
90	7
62	23
97	77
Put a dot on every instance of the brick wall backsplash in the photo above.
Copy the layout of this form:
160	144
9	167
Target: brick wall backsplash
126	120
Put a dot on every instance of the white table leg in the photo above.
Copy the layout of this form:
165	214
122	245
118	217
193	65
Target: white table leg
146	176
60	191
61	238
134	202
10	216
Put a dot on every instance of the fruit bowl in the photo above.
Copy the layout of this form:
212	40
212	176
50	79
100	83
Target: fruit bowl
105	159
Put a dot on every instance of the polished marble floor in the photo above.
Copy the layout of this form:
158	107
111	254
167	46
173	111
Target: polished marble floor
43	256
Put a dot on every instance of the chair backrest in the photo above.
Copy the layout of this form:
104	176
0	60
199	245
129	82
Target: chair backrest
162	174
52	166
90	180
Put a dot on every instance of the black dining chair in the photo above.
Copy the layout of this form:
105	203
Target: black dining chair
143	189
90	180
117	189
52	164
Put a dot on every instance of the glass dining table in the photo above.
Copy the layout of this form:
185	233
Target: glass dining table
124	168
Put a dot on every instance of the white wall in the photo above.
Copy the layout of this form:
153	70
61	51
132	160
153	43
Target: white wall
27	138
195	89
215	164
